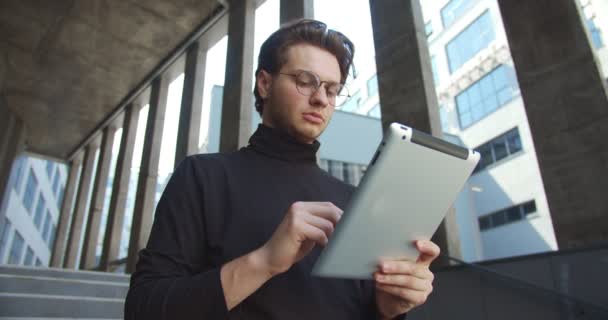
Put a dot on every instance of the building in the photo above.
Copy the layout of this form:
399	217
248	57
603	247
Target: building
500	214
32	204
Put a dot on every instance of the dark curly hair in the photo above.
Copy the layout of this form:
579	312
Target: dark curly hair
313	32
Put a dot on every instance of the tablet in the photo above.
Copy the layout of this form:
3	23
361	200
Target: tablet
408	187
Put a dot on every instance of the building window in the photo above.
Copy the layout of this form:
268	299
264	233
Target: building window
507	215
350	173
39	211
372	86
352	104
434	69
595	33
16	252
29	257
56	182
30	191
486	95
454	10
4	233
20	167
470	41
498	148
375	111
49	169
52	237
60	197
428	28
47	227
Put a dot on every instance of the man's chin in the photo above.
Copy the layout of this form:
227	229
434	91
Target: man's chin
307	134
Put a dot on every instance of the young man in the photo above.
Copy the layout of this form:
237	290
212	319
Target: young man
236	235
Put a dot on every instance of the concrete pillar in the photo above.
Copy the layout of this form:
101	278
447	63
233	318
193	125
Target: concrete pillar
75	235
405	84
296	9
237	103
192	103
65	216
91	234
3	66
567	107
120	189
148	172
12	143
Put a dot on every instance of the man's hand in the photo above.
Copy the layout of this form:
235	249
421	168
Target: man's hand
403	285
305	225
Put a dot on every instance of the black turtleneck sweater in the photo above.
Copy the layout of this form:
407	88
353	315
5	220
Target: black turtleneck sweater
217	207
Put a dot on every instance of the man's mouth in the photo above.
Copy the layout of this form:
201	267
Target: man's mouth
313	117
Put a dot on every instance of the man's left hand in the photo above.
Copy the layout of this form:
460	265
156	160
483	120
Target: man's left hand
402	285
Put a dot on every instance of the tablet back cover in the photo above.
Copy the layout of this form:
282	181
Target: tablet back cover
409	185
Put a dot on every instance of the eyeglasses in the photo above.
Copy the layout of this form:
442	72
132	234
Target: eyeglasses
308	83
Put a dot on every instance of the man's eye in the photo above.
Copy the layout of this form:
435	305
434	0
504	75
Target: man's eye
332	91
308	84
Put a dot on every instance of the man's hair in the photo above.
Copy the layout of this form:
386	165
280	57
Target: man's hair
305	31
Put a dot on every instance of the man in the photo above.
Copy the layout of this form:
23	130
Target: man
236	235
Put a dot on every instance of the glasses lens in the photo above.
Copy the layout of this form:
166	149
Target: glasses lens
307	83
342	95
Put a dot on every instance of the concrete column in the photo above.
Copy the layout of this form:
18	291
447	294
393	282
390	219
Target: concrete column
75	235
405	84
567	107
3	66
192	103
91	234
148	172
296	9
120	189
65	216
12	143
238	97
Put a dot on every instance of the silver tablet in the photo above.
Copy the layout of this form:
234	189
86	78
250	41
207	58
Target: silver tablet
409	185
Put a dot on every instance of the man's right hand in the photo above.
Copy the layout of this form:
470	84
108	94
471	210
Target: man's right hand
305	225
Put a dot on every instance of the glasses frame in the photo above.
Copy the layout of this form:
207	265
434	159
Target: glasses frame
318	85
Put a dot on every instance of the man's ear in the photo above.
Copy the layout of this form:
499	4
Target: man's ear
264	83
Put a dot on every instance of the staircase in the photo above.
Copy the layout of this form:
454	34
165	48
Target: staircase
28	293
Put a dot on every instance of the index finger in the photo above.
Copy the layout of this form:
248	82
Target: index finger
429	251
326	210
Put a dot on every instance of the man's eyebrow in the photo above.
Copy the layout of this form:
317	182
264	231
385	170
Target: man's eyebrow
329	81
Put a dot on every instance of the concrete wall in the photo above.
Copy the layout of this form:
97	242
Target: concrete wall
557	285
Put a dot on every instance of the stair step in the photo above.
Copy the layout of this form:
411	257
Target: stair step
63	273
67	287
52	306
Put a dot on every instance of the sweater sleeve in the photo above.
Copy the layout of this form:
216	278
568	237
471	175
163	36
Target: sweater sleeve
172	279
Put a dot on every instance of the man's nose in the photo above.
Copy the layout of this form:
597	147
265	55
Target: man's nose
319	97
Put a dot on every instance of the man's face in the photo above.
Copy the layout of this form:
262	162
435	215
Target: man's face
303	117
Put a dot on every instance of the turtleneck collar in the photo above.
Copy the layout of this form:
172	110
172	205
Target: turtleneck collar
277	144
